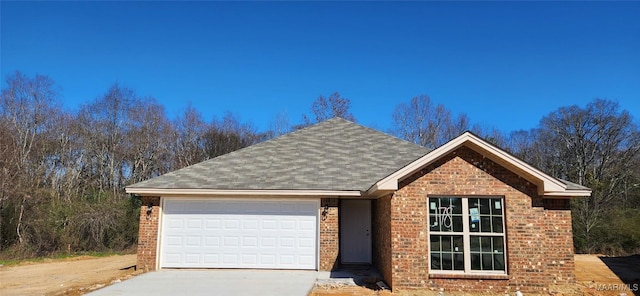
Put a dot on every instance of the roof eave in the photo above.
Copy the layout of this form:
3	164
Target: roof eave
377	192
243	192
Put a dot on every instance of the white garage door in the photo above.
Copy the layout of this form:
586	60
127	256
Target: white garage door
205	233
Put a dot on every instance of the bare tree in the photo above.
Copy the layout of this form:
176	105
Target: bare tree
280	124
148	147
188	141
104	123
8	174
425	123
26	106
67	162
491	135
229	134
595	146
325	108
56	166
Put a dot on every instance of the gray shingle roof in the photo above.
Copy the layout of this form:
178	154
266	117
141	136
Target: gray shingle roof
573	186
332	155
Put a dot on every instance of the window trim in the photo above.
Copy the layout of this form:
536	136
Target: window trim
466	238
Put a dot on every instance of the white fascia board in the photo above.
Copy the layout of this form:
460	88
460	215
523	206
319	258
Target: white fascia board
546	183
217	192
568	193
376	192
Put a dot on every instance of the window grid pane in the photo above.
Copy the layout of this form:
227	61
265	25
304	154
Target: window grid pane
447	251
445	214
491	254
450	255
485	215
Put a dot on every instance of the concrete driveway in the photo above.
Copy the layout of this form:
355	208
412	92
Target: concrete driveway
215	282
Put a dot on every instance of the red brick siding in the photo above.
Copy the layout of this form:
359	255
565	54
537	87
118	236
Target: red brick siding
559	247
382	237
329	234
148	234
532	231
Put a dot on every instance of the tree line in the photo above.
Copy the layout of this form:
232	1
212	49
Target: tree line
63	173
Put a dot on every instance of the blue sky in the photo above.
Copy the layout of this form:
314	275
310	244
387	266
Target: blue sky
504	64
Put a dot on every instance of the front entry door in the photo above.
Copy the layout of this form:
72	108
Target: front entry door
355	231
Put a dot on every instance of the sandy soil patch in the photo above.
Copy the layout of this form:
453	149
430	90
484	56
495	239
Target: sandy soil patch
73	276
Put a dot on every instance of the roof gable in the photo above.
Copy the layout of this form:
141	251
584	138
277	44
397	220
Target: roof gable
547	186
332	156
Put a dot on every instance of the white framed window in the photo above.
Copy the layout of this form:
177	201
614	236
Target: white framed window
467	235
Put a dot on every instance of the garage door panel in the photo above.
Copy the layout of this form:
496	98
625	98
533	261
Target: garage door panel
287	225
229	260
230	207
212	241
251	259
231	224
287	260
287	242
307	259
211	259
268	242
307	225
195	224
268	259
269	224
192	258
231	241
174	223
250	242
306	242
250	224
174	240
213	224
193	241
248	234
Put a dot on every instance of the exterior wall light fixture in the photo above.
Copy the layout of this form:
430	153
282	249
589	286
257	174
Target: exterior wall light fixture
325	211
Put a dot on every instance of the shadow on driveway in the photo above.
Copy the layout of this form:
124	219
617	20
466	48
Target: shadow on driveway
215	282
627	269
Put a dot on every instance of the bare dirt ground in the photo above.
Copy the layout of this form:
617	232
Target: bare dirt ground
80	275
73	276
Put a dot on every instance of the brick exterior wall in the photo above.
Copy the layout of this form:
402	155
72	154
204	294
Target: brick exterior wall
539	239
559	248
148	234
381	221
329	235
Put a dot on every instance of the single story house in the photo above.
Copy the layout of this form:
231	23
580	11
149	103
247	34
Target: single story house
465	216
